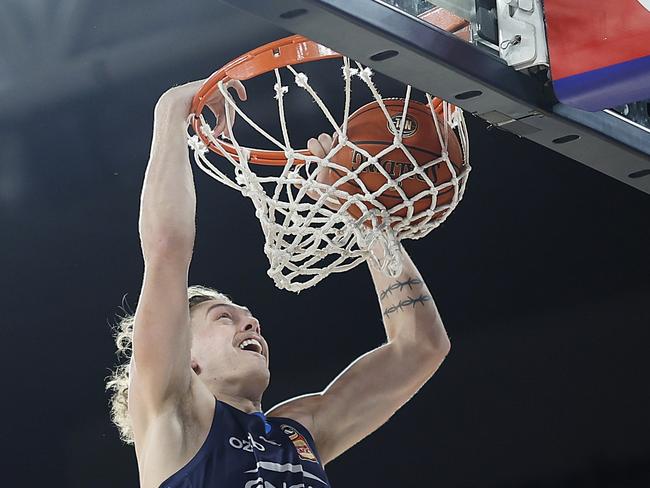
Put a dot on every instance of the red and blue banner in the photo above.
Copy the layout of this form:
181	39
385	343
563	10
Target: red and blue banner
599	51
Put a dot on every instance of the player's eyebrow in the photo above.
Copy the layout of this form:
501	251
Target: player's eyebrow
228	305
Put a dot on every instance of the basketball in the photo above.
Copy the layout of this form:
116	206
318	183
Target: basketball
369	129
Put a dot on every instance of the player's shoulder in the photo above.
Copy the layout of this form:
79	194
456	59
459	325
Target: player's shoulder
189	415
301	409
169	438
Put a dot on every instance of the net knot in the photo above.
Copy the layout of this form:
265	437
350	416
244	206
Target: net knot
244	153
297	220
197	145
206	130
280	90
366	74
348	71
241	180
302	80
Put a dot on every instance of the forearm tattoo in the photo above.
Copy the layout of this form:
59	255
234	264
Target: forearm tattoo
399	286
407	302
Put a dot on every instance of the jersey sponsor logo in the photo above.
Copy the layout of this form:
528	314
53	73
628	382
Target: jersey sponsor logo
246	444
249	444
300	443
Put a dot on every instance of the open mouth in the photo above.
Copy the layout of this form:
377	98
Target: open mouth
251	345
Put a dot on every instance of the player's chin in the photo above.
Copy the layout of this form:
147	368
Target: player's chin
255	356
258	366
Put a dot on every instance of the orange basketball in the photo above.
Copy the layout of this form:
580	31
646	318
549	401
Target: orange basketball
368	129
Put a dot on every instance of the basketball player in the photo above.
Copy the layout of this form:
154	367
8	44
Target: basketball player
199	368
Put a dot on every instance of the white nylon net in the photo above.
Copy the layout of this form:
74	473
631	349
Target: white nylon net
312	228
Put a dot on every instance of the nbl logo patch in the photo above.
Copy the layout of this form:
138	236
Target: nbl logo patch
300	443
410	125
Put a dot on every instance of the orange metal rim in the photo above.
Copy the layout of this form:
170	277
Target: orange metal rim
277	54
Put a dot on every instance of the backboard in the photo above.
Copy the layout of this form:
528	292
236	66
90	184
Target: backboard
542	70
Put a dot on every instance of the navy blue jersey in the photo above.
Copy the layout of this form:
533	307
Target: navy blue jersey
248	451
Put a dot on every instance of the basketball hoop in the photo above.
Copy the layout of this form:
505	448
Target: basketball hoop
315	226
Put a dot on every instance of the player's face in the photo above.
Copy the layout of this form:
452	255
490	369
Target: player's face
227	342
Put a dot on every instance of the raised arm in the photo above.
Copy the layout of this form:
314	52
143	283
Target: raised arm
161	342
377	384
167	402
369	391
160	370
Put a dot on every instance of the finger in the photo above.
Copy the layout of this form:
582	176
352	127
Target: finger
221	123
315	148
325	142
217	109
239	88
231	117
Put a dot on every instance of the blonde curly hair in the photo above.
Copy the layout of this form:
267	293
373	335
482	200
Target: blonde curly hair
118	381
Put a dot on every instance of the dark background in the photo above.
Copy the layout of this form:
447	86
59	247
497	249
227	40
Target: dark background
541	275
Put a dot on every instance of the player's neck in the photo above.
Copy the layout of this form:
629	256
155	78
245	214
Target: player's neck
248	405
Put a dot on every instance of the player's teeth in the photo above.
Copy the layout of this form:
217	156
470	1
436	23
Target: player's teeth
249	341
